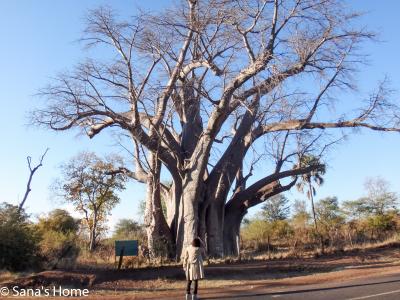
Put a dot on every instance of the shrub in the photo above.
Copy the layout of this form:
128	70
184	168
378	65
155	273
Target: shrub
127	229
19	241
59	238
381	224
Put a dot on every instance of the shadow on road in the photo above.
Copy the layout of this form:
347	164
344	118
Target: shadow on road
302	290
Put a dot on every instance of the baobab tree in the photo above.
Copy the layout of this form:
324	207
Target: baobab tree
209	91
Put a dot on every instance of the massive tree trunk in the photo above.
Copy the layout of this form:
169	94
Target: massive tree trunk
233	219
238	205
215	226
193	193
159	237
172	201
189	220
190	193
221	179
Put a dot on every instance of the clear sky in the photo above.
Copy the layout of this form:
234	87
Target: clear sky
38	39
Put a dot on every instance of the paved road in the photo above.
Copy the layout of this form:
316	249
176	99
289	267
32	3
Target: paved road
379	287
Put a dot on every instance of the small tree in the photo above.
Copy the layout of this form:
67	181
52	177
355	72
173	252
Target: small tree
90	184
329	217
276	208
276	211
307	182
300	222
375	211
355	209
379	200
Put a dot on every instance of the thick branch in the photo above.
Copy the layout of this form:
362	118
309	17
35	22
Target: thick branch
301	124
260	186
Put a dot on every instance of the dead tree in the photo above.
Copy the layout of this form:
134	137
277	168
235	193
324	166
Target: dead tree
204	86
32	172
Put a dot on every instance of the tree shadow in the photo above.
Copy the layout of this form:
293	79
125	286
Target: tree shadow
300	291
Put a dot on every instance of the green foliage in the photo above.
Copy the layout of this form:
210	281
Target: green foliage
300	218
313	176
276	208
258	232
381	223
255	234
19	242
355	209
91	184
58	220
330	220
372	218
88	182
59	233
328	212
281	229
378	201
127	229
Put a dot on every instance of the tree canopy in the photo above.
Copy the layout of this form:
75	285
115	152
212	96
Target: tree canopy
211	89
90	184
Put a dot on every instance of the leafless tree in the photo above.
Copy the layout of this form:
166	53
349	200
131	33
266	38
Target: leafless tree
32	171
200	84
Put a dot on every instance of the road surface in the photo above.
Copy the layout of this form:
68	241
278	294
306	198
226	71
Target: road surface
378	287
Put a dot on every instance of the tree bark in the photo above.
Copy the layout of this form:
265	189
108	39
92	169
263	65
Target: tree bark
159	237
320	237
233	219
215	228
92	236
221	179
190	215
173	205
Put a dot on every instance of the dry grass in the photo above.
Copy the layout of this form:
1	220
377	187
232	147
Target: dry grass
394	240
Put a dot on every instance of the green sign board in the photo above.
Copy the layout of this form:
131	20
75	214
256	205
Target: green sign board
127	248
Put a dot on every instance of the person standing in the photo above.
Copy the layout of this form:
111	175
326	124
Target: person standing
193	266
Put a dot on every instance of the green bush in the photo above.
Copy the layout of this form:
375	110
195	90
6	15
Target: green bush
127	229
19	241
58	243
381	223
255	234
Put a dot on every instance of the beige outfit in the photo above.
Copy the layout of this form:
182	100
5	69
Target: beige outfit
193	263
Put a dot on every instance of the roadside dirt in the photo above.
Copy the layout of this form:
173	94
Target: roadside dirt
222	279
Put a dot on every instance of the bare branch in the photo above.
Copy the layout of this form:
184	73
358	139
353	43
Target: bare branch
32	172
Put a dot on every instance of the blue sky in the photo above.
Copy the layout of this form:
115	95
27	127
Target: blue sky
39	40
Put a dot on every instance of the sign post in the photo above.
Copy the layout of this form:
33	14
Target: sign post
125	248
